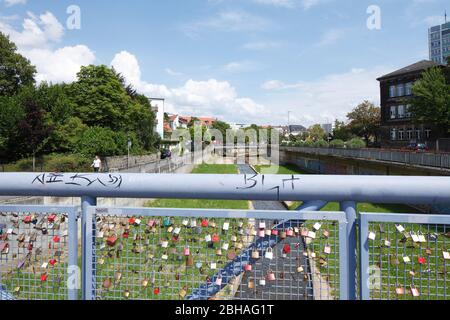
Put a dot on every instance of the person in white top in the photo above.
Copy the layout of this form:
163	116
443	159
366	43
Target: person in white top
97	164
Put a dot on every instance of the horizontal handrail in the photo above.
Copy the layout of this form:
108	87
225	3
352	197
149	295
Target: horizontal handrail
374	189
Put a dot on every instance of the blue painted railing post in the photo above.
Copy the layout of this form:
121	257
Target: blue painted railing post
73	270
86	202
348	258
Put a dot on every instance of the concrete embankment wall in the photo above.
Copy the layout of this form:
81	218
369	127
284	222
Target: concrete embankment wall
344	166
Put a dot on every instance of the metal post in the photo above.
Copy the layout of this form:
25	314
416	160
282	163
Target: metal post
347	252
86	237
364	258
72	263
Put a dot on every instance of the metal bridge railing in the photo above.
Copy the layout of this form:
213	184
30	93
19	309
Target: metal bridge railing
434	160
142	253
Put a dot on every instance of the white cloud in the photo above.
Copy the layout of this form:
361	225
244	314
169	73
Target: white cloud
60	65
261	45
173	73
240	66
200	98
277	3
325	99
228	21
36	40
10	3
331	37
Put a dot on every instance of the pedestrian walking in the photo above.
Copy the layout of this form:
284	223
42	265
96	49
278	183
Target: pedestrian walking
97	164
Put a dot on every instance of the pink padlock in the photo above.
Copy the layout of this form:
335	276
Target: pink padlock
187	252
271	276
261	233
290	232
274	232
248	267
219	281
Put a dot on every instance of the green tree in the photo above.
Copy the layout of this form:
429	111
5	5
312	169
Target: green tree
365	121
222	127
15	70
11	113
316	133
97	141
341	131
431	100
100	98
34	128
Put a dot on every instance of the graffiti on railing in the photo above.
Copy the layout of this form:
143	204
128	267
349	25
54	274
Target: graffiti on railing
80	180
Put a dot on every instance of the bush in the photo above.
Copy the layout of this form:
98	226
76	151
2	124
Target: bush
321	144
66	163
308	143
339	144
356	143
97	141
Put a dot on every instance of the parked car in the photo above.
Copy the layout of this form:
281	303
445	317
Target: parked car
166	154
417	147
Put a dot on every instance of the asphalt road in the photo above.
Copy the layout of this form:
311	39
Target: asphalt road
289	283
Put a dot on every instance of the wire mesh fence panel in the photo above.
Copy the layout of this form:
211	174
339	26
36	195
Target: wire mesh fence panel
165	254
407	259
34	253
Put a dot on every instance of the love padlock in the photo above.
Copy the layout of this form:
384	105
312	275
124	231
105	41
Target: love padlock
219	281
248	267
274	232
269	254
186	251
205	223
215	238
261	233
56	239
52	262
51	218
290	232
286	249
255	254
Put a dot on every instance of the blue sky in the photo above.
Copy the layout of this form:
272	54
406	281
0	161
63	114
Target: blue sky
248	61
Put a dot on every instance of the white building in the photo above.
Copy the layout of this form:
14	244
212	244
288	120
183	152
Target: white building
158	107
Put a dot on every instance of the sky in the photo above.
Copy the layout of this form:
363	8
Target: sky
242	61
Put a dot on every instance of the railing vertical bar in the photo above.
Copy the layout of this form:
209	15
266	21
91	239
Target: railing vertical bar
72	263
347	252
364	257
86	246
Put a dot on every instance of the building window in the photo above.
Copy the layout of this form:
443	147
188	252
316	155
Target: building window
393	112
428	133
401	135
392	92
401	111
408	111
409	86
409	134
400	90
393	134
418	135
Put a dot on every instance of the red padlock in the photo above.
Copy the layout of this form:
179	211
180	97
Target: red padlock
30	247
51	218
56	239
215	238
111	241
156	291
125	235
205	223
52	262
43	277
27	220
132	221
422	260
287	249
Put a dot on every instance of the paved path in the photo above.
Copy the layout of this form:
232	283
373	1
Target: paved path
293	286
